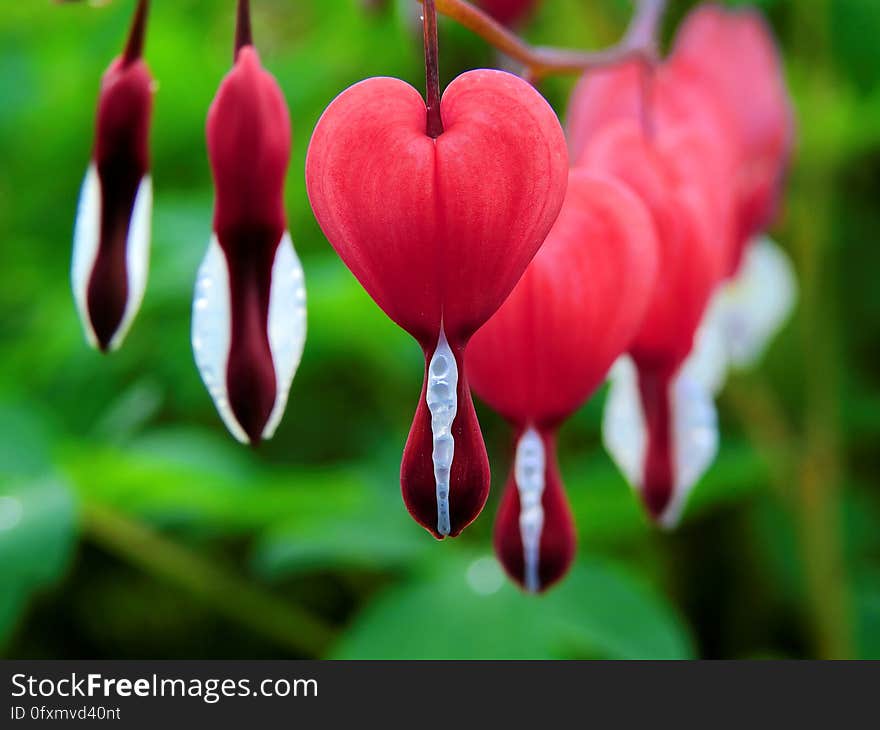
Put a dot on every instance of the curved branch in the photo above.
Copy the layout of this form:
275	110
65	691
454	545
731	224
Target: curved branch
638	43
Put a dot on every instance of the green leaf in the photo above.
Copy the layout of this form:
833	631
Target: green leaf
466	609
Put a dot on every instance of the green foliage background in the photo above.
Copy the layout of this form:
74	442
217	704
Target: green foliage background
132	525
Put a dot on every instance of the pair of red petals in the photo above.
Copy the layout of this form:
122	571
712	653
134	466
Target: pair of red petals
550	345
439	231
112	234
673	145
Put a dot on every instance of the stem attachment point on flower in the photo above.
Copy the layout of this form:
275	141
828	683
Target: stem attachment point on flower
243	34
434	127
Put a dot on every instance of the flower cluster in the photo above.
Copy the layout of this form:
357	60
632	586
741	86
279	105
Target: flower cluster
248	322
528	261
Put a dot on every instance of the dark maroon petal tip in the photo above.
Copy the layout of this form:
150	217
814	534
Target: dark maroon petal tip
658	484
557	541
469	476
250	371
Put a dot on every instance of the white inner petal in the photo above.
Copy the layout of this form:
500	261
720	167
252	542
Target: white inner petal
212	332
623	423
707	362
529	468
695	440
137	257
755	305
86	237
287	325
442	399
694	429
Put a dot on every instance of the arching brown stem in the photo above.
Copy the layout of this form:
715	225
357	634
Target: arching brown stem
638	43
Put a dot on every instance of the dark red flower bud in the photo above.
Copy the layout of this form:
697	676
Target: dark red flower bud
112	237
438	230
550	345
249	307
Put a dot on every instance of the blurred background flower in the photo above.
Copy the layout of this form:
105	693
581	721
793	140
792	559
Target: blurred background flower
132	526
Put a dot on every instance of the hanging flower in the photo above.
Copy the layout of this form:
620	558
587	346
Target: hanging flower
111	248
547	349
650	428
249	317
733	53
437	209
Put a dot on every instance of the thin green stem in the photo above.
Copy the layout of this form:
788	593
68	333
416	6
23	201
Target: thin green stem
283	623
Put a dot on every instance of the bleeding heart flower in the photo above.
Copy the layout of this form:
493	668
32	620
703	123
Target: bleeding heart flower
546	350
111	248
732	52
249	317
438	226
672	174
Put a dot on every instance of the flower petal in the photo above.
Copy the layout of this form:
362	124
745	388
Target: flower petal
287	325
212	332
86	239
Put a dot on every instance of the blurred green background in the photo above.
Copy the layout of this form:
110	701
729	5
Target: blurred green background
132	525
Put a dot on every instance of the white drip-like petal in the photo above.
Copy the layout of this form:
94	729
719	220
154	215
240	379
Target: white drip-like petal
212	332
753	306
137	257
623	424
694	429
529	469
86	238
441	396
708	361
695	440
287	325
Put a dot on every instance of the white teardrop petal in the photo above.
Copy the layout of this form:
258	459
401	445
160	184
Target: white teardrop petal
212	332
529	471
695	440
757	302
694	430
708	361
287	325
623	424
441	395
86	238
137	257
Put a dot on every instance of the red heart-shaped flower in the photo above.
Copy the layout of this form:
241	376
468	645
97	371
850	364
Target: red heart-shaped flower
438	231
549	346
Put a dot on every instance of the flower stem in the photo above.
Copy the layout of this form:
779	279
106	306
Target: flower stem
283	623
243	33
638	43
134	49
432	70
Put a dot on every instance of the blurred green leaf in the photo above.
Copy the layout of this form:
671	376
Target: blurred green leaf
467	609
